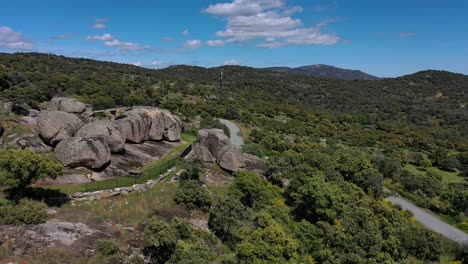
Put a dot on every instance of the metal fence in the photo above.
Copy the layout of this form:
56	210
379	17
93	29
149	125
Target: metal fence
150	173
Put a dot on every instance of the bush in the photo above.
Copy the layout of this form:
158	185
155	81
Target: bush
193	196
25	212
107	247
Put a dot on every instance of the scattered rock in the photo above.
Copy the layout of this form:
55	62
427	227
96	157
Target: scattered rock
55	126
107	130
32	142
33	113
254	163
21	109
92	153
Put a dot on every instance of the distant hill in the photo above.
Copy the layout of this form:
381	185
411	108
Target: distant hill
326	71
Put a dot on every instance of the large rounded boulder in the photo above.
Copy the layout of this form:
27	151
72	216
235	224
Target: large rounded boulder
172	126
55	126
230	158
155	119
92	153
213	140
107	130
69	105
135	128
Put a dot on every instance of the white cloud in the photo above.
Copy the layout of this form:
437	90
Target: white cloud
10	39
186	32
193	44
253	20
232	62
100	23
242	7
105	37
157	63
138	63
111	41
215	43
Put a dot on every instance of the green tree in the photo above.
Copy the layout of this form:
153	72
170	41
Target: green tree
227	217
314	199
253	191
19	168
456	196
268	243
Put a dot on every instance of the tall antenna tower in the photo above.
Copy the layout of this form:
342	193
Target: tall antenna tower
221	80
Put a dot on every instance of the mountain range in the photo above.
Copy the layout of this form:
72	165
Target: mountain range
326	71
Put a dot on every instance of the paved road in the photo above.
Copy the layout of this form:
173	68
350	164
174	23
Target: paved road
236	137
430	221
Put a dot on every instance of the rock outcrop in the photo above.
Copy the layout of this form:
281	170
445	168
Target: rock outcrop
74	106
92	153
55	126
214	146
213	140
134	128
141	124
107	130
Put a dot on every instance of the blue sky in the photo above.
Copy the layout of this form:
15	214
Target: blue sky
384	38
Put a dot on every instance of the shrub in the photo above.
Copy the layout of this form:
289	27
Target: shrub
193	196
107	247
25	212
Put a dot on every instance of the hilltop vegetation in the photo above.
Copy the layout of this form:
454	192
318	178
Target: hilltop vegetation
331	147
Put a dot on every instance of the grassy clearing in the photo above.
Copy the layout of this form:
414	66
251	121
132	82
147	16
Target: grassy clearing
447	177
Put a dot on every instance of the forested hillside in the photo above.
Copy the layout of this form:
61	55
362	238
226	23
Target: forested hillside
331	146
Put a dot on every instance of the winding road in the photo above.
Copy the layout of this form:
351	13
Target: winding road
428	220
236	137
